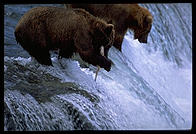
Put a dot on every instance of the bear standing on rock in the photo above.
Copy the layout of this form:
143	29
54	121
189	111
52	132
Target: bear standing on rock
43	29
123	16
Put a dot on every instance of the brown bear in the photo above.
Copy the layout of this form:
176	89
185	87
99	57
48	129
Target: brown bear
43	29
123	16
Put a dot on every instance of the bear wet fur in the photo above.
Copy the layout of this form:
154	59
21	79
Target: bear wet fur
43	29
123	16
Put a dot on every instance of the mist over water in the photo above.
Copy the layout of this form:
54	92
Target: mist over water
149	86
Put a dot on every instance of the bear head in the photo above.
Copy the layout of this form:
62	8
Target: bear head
140	21
102	34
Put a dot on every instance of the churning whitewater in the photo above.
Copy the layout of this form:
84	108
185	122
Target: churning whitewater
149	85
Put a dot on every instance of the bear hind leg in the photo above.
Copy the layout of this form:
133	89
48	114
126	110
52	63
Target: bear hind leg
43	57
66	52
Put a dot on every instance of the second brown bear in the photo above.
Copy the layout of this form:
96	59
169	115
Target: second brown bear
123	16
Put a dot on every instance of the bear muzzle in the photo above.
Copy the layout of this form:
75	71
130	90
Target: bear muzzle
143	39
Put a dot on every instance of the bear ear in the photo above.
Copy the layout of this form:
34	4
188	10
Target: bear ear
148	19
108	29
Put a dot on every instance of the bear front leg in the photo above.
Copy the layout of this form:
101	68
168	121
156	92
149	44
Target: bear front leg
118	41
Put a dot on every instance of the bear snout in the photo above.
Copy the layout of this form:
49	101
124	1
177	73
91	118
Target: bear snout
107	65
143	39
